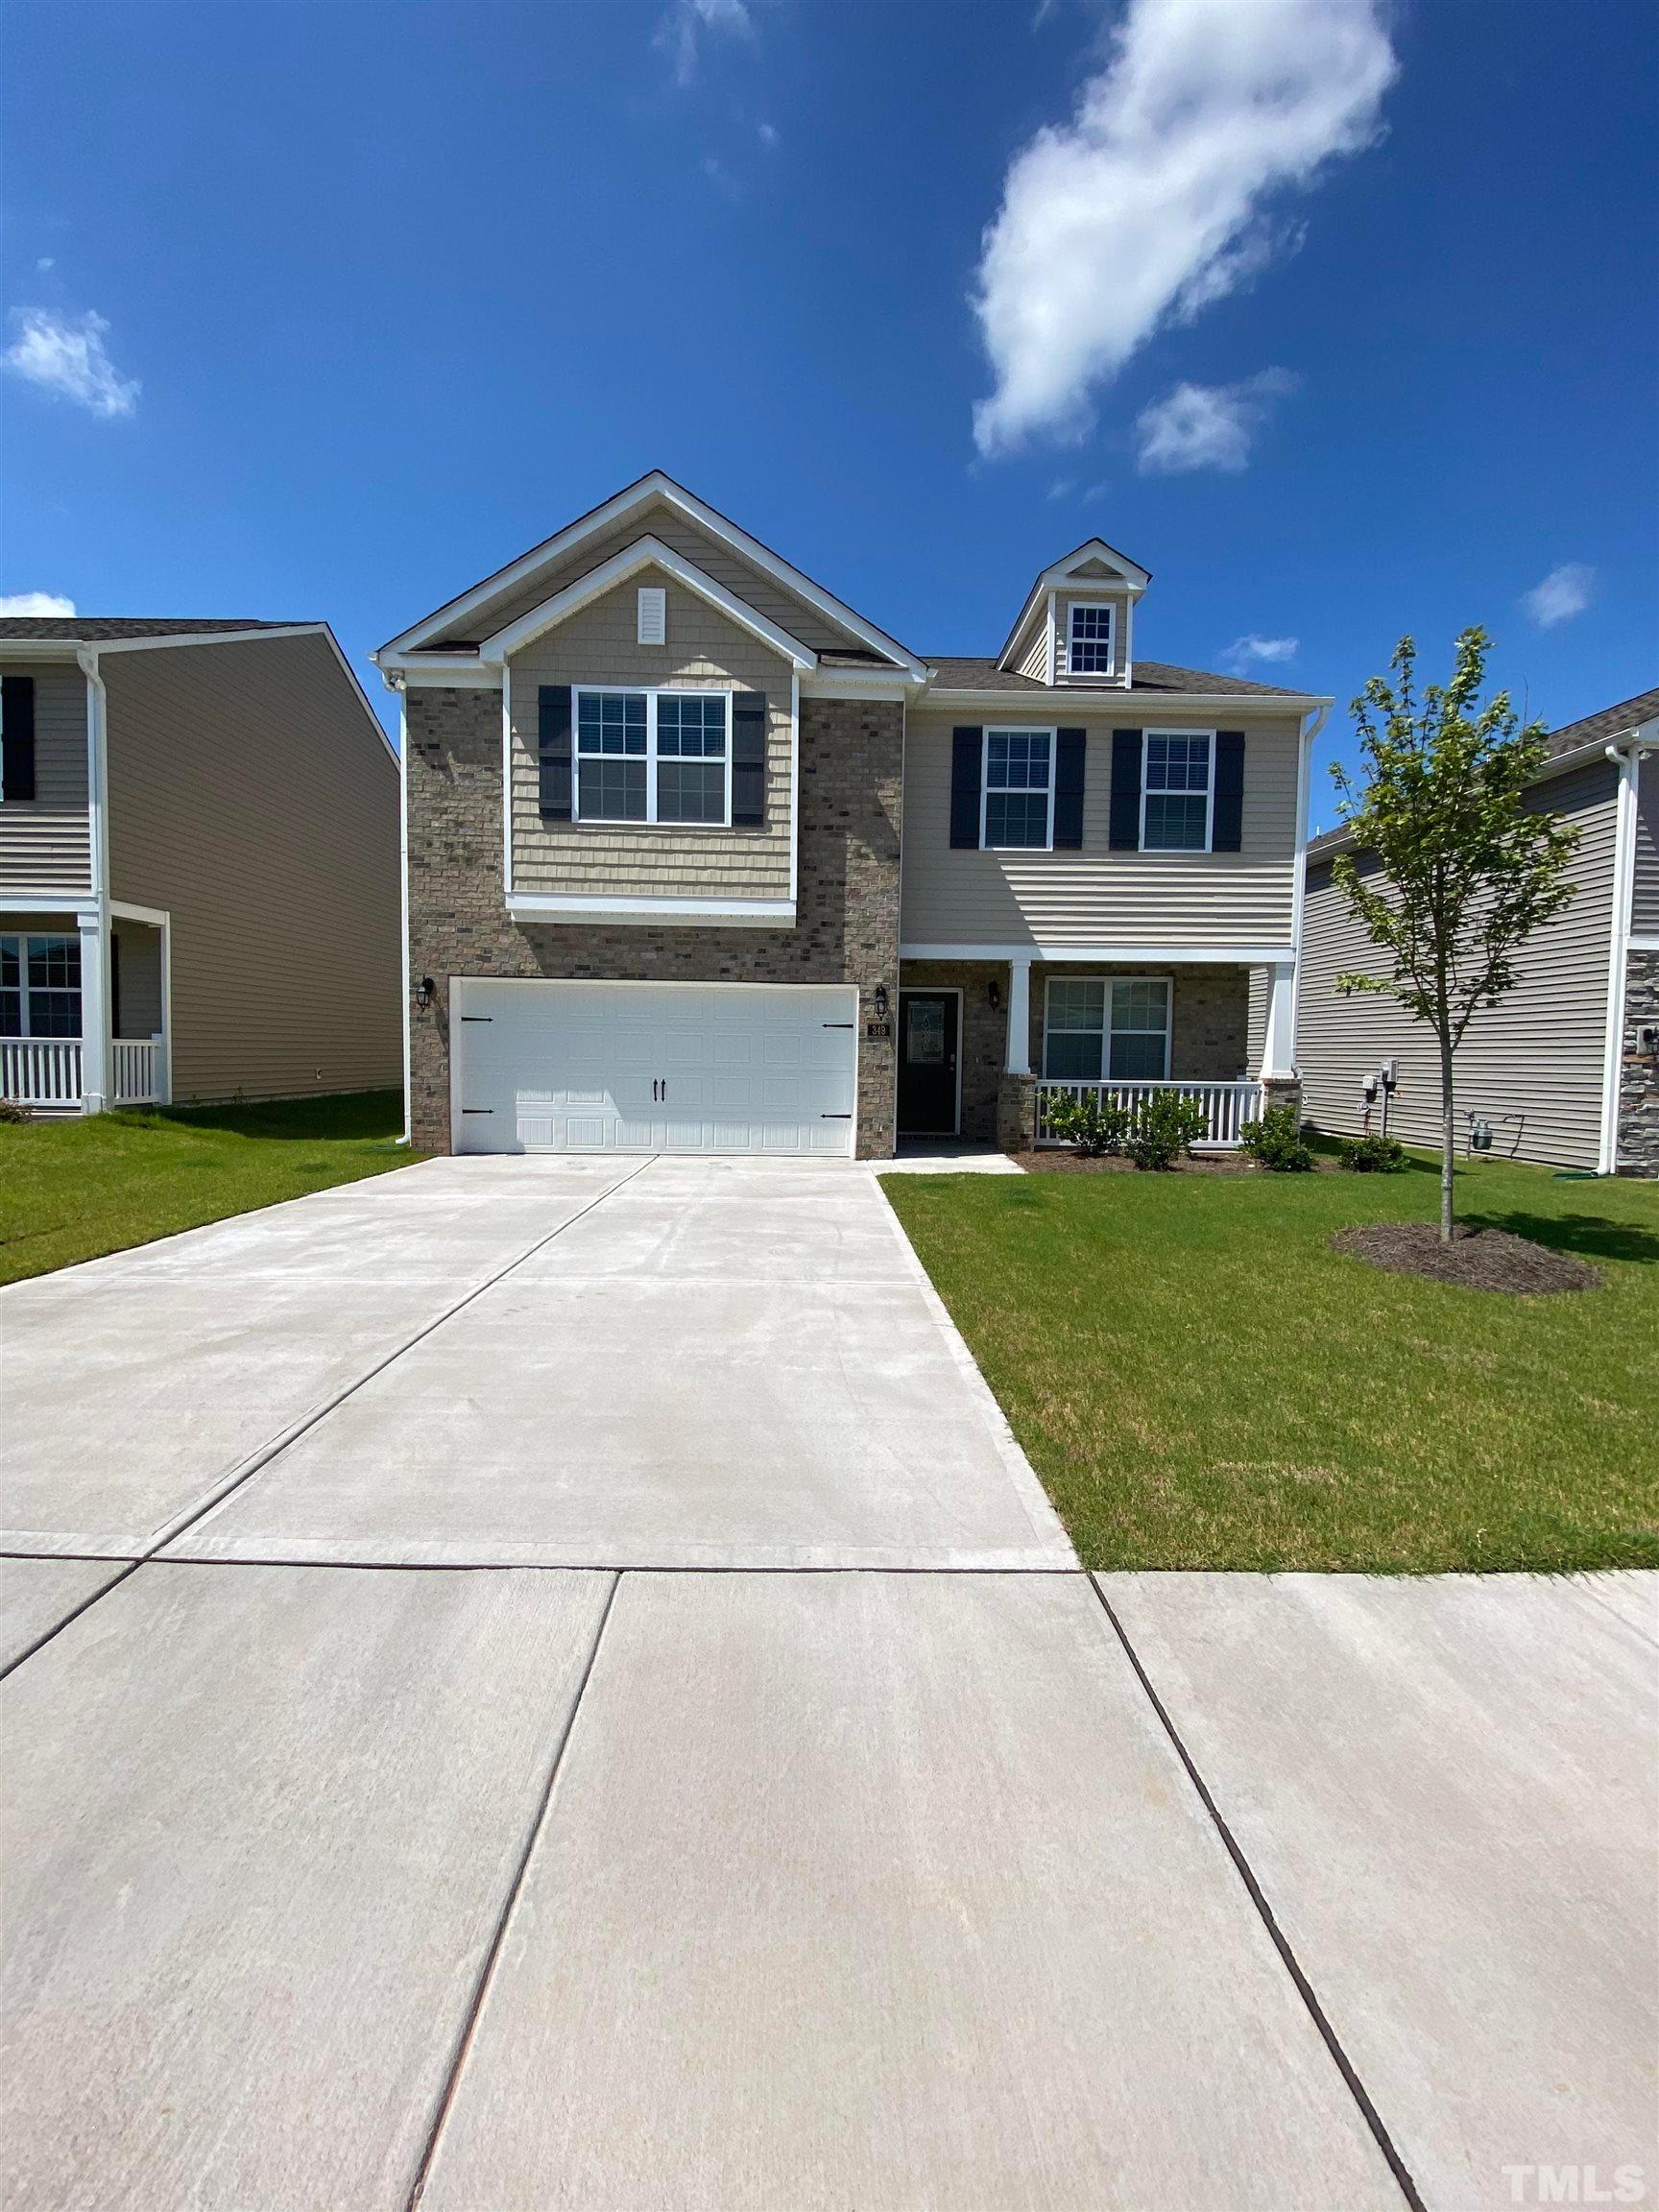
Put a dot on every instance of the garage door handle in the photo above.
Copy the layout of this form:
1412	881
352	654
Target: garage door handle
834	1117
838	1024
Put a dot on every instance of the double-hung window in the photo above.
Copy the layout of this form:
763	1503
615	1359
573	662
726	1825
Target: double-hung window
1089	651
1177	791
653	757
1115	1030
1019	789
39	986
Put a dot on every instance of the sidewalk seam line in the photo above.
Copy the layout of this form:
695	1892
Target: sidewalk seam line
257	1461
1281	1942
481	1991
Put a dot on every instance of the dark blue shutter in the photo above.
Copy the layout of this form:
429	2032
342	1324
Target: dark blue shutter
1071	748
749	760
1125	791
18	711
1227	828
553	750
967	754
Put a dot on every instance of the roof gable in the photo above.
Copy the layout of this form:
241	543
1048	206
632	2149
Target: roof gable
1093	563
646	555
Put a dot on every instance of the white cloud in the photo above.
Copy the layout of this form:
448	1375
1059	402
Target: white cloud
1151	202
681	30
1209	425
67	357
35	603
768	134
1563	593
46	261
1061	486
1253	652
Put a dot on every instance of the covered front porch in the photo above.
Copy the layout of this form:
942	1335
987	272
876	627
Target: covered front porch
84	1009
986	1046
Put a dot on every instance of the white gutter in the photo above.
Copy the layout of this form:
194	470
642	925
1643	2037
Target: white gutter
1627	756
1299	878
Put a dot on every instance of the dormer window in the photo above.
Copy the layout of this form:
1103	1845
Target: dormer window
1090	645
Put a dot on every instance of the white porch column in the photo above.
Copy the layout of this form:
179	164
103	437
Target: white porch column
1279	1038
94	1010
1019	1062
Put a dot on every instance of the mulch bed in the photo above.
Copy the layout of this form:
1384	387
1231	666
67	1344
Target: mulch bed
1476	1259
1061	1162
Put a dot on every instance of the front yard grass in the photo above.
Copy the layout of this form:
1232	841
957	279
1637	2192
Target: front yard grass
74	1190
1201	1382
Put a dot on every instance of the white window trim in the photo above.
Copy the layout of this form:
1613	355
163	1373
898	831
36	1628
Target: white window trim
651	695
1208	846
20	938
1014	729
1097	607
1169	983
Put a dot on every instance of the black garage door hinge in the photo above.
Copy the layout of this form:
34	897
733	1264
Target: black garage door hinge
477	1016
477	1109
834	1117
837	1024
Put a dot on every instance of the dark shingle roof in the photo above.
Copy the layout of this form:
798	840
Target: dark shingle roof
1572	737
954	673
98	629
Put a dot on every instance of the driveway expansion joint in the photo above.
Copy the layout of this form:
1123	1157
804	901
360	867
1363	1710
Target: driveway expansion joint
1305	1989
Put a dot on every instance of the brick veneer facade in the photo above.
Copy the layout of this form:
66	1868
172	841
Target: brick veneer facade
847	901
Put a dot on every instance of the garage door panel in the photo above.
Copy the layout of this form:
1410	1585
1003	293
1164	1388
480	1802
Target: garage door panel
546	1066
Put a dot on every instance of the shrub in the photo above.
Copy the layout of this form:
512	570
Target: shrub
1276	1142
1165	1125
1096	1126
1373	1155
12	1111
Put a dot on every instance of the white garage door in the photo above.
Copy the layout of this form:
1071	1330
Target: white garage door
653	1067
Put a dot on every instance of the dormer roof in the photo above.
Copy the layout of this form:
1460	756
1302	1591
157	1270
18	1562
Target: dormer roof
1093	563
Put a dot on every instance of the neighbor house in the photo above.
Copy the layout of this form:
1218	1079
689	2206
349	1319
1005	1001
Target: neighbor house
701	860
1566	1068
199	866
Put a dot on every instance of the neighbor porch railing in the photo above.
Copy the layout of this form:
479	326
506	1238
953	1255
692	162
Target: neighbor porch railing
1227	1106
48	1071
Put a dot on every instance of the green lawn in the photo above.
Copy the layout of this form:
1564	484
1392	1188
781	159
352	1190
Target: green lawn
72	1190
1200	1383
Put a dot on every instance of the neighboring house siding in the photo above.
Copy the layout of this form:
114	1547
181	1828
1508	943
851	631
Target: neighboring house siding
46	842
1645	885
250	798
1540	1054
852	817
751	584
706	651
1096	896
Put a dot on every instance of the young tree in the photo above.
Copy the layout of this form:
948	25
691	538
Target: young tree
1467	870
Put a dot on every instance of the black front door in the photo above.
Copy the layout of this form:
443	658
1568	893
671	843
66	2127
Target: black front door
928	1045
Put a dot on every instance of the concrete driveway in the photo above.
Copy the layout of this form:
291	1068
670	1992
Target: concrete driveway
448	1755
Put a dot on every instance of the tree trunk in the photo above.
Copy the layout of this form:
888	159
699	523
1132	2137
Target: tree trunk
1448	1141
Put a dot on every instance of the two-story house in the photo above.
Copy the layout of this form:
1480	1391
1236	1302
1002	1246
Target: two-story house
700	859
199	865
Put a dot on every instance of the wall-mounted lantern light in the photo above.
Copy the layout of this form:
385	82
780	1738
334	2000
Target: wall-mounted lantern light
994	992
425	993
880	1000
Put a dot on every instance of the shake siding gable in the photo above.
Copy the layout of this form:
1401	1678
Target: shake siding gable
706	651
1539	1054
250	799
1096	896
45	842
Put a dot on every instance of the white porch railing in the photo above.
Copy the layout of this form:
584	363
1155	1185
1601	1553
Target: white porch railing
136	1070
41	1072
47	1071
1227	1106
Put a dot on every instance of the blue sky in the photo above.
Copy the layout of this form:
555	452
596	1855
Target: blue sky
1335	316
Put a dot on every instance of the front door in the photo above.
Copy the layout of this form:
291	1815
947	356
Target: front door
927	1046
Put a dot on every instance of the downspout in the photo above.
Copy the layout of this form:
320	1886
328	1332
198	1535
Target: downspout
1627	759
1299	881
408	1137
95	1065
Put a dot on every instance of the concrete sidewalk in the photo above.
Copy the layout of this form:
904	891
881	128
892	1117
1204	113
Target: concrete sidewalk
505	1852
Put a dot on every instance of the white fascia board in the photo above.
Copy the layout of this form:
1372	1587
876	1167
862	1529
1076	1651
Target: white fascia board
644	553
1163	956
84	899
429	671
1061	699
860	683
598	906
656	486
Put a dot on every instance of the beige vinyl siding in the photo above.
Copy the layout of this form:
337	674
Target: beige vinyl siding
751	584
1539	1054
251	799
135	1011
46	842
706	651
1035	663
1096	596
1645	884
1096	896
